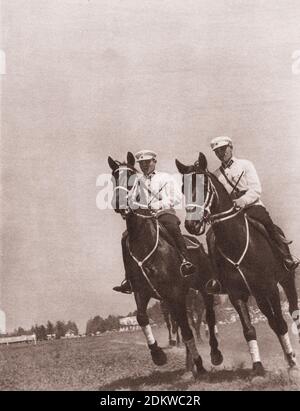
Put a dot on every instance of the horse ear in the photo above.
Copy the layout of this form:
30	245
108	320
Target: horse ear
202	162
181	167
112	164
130	159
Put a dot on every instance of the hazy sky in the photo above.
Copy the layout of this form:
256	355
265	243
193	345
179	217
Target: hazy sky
88	79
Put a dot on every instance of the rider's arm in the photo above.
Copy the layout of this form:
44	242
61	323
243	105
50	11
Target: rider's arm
171	194
253	192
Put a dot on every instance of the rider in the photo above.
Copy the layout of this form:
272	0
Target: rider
158	192
241	181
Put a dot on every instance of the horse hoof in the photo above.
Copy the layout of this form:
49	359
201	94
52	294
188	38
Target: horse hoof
216	357
258	369
158	356
198	370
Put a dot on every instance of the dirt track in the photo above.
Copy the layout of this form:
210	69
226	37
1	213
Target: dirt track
120	361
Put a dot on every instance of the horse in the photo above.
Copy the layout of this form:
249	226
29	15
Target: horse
172	325
195	311
154	266
245	257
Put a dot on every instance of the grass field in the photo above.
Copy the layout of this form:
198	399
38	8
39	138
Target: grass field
121	361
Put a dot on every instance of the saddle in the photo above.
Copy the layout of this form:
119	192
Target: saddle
214	254
260	227
190	241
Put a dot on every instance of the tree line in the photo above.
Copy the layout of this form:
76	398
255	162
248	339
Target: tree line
94	325
57	330
111	323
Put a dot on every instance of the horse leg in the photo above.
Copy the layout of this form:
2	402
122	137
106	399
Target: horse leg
198	330
157	354
167	321
271	307
215	354
282	329
249	334
289	287
179	313
174	330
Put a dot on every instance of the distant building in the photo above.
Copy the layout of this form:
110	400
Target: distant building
128	324
2	322
51	336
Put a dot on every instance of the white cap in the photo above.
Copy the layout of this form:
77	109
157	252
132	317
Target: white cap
220	142
145	155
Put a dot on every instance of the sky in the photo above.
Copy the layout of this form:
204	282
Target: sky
88	79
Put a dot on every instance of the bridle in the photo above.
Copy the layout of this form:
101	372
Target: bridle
205	209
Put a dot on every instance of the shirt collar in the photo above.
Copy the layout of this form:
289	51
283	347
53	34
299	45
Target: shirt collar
149	176
229	164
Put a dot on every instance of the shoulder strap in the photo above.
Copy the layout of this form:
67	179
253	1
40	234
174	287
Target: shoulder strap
226	178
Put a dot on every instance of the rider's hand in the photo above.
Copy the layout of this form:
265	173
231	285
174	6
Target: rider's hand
239	203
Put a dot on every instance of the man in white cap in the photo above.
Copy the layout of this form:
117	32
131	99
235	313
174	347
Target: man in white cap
240	179
158	192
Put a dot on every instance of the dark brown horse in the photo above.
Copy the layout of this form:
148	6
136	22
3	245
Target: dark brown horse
244	255
154	267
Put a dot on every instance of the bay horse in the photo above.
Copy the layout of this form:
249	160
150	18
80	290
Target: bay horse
245	257
154	267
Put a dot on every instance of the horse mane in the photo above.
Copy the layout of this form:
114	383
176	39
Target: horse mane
218	184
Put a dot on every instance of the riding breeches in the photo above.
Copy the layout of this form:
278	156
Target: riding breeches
260	214
172	224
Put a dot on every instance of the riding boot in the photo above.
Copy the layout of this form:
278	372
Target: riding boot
171	223
125	286
283	250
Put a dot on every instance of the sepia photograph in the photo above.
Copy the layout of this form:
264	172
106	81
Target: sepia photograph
149	197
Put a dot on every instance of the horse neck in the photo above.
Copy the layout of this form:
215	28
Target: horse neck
231	230
141	233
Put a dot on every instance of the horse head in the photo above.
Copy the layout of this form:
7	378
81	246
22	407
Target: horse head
123	178
200	189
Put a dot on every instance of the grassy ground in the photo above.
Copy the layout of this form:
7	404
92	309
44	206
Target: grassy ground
121	361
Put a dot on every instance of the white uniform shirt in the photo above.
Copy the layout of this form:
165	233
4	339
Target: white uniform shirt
157	191
249	181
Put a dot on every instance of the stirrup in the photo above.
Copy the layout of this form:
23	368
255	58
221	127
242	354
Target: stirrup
213	287
187	269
